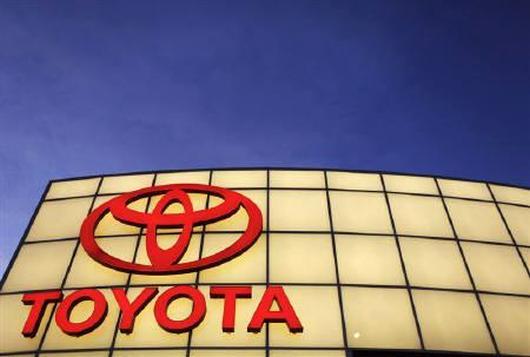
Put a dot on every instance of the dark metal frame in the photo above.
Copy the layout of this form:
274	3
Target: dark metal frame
267	232
402	261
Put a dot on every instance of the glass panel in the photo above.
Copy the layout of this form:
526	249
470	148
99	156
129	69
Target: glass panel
360	212
509	320
284	178
318	310
297	258
249	267
201	177
368	260
210	333
434	263
40	266
108	225
101	200
165	241
477	221
150	353
526	255
101	337
366	308
407	353
243	178
299	210
147	332
127	183
75	354
86	272
518	219
412	184
70	213
496	268
84	187
354	181
227	352
511	194
416	215
451	321
464	189
14	314
306	353
239	221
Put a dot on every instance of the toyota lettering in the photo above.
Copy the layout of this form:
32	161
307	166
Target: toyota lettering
274	306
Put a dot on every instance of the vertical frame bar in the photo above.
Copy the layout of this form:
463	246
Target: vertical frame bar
197	277
510	233
336	262
267	261
48	324
402	261
129	278
470	275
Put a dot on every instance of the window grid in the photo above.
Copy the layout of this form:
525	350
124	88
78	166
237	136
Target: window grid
46	329
355	285
299	232
473	285
294	284
129	277
267	232
201	247
517	246
402	262
336	262
321	189
267	257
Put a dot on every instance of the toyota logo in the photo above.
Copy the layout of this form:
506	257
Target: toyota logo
167	261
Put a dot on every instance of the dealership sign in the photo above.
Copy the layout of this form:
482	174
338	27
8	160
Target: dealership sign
273	307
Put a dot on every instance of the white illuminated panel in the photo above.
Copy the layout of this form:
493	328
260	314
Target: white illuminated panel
368	261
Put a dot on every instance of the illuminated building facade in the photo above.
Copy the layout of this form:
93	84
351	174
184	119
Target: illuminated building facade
370	262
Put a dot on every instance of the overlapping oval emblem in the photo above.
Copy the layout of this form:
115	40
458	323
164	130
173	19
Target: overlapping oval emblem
167	261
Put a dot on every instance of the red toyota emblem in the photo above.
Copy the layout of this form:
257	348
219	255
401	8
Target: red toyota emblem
166	261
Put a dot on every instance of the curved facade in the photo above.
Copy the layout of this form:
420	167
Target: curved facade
369	261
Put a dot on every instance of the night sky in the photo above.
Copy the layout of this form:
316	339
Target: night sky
90	87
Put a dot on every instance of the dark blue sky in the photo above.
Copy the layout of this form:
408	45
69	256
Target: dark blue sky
434	87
